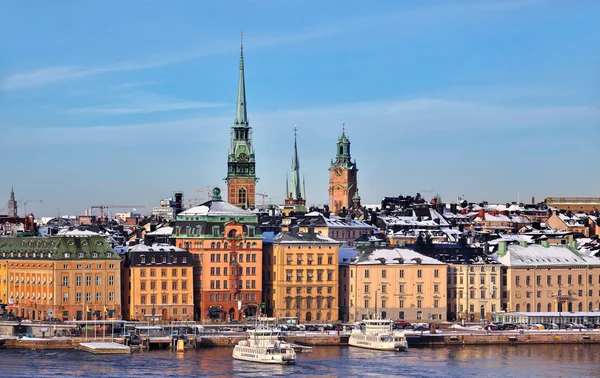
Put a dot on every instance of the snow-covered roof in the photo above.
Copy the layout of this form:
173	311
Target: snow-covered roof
574	221
161	231
76	232
538	255
304	237
155	248
389	257
216	208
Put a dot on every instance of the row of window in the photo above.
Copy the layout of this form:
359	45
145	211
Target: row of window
215	231
88	266
231	297
216	257
174	311
88	297
66	255
164	297
309	260
309	275
367	273
481	269
163	272
384	288
461	308
551	294
216	284
297	302
342	234
383	303
482	294
174	285
568	308
460	280
559	281
174	259
88	280
216	271
288	290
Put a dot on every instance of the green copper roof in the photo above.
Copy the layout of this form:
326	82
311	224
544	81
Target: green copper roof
241	116
57	248
296	191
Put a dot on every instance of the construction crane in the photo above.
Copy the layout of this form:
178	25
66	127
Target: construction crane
102	207
263	195
191	202
207	190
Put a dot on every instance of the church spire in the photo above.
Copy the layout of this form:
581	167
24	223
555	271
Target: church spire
296	191
241	116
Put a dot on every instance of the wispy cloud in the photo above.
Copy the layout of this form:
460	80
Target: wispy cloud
145	102
419	115
56	74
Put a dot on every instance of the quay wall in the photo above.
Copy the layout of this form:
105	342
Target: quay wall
504	338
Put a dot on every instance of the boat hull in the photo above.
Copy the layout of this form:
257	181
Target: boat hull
263	359
365	344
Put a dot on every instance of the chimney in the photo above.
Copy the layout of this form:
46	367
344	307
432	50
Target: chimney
533	200
502	248
545	243
453	207
293	229
481	214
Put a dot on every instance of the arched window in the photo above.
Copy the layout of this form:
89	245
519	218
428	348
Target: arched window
225	245
518	308
218	245
539	307
549	307
580	306
254	245
247	245
590	307
341	150
212	245
528	307
242	197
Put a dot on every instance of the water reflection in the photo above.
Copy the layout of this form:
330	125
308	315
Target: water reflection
494	361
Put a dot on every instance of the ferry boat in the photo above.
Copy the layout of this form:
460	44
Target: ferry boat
264	346
378	334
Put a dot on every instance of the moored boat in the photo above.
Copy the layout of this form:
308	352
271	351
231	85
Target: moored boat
264	346
378	334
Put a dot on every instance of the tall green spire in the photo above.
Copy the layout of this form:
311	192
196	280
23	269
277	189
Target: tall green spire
241	116
296	191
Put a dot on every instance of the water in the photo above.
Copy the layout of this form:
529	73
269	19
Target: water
472	361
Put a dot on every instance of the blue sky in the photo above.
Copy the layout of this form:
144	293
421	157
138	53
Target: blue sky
124	102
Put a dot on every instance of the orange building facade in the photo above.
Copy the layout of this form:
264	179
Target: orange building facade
226	246
158	284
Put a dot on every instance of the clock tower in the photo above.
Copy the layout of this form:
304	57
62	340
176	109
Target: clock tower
241	172
342	177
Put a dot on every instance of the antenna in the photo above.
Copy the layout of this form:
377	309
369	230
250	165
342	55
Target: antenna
295	128
343	128
242	39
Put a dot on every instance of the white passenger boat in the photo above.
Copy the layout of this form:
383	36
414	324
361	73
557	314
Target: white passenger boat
264	346
378	334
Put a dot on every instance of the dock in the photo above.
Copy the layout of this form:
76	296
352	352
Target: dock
105	348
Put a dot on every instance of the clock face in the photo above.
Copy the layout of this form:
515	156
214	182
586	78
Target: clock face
242	157
338	171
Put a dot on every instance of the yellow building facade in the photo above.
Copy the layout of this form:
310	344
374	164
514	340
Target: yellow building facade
300	276
549	278
393	284
474	291
69	277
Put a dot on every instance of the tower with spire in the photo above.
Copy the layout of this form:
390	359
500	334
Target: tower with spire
294	198
343	176
12	205
241	165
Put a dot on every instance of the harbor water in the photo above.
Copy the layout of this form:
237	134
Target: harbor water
472	361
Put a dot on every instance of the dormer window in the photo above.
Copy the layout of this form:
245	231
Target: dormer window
143	259
80	255
108	254
95	254
153	259
67	255
99	242
164	259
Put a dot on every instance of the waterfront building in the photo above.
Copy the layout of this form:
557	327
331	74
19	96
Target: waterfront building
474	291
241	163
494	222
226	245
158	283
72	275
343	177
342	229
295	201
548	278
301	275
393	283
